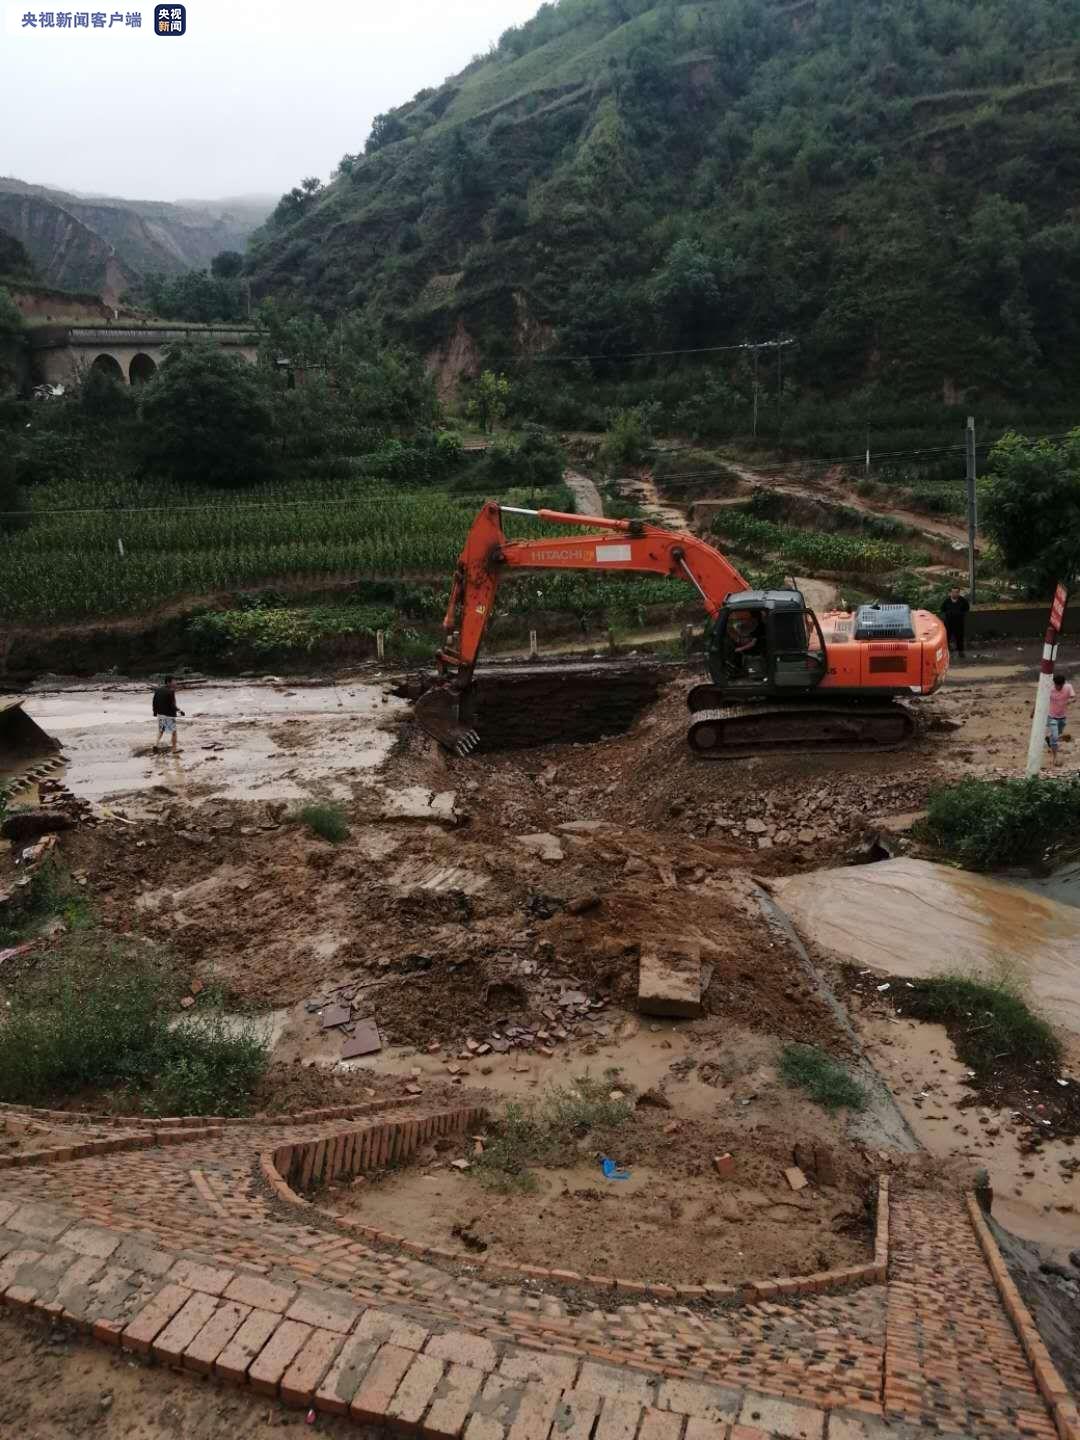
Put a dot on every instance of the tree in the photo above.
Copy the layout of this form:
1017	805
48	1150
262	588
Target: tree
103	397
11	320
227	264
490	400
1032	508
14	259
205	418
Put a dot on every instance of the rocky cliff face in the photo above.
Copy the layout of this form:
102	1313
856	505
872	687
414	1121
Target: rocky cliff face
104	245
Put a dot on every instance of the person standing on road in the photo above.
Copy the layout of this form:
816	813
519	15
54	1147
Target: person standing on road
1062	695
954	612
166	711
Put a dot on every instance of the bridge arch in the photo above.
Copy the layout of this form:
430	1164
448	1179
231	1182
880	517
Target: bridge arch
110	366
142	368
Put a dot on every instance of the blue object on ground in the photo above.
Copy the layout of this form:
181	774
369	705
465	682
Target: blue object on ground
612	1171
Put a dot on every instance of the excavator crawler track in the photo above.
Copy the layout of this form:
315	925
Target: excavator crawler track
733	732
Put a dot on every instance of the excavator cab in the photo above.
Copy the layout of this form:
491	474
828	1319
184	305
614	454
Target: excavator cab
765	641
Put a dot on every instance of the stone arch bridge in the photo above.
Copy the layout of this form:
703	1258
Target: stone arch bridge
62	354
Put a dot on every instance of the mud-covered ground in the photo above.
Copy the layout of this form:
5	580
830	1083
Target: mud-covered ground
489	917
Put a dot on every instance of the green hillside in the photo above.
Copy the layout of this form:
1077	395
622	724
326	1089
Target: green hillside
892	183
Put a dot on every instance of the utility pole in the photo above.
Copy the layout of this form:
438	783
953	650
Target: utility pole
973	519
756	351
779	391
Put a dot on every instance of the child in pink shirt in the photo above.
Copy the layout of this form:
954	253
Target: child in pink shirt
1062	695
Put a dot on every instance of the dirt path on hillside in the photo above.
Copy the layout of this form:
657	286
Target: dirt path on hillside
828	487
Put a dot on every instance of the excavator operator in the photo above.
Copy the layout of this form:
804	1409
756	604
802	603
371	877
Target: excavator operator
747	630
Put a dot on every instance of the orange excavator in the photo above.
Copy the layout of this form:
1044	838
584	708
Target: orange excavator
780	677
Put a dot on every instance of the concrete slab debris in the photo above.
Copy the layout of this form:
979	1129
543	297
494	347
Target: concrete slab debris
335	1015
542	845
669	983
795	1178
366	1041
416	802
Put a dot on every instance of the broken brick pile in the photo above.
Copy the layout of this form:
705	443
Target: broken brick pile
185	1253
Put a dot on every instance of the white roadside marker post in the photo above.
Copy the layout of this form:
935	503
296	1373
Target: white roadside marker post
1037	742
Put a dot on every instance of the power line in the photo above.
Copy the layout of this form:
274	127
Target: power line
654	354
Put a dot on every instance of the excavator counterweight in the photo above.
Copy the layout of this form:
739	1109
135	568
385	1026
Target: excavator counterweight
780	677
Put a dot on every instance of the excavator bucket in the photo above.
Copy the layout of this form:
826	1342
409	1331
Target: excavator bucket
439	711
21	740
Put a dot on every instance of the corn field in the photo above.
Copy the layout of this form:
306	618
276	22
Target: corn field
816	550
81	554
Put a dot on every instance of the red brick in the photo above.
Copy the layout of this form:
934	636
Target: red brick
277	1355
214	1336
414	1394
207	1278
334	1312
153	1318
89	1240
555	1372
181	1330
302	1379
575	1417
462	1348
452	1402
614	1384
618	1420
660	1425
13	1263
232	1364
384	1325
372	1400
535	1414
260	1294
699	1429
343	1379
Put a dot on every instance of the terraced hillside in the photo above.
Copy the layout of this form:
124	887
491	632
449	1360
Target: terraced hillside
890	185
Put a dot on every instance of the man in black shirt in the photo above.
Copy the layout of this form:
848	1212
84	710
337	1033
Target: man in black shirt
954	612
166	711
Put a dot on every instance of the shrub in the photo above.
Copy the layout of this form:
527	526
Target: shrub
49	893
102	1019
983	823
628	435
545	1132
823	1079
990	1019
327	821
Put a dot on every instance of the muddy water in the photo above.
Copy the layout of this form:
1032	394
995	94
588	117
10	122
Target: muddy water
1063	885
1032	1197
238	741
911	917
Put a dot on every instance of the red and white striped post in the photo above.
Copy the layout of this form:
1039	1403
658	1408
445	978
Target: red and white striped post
1037	743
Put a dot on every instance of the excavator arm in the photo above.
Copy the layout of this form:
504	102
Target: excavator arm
487	557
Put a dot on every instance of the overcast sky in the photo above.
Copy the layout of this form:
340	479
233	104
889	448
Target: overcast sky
256	94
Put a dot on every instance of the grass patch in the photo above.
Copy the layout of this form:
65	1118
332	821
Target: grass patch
547	1131
823	1078
100	1019
50	894
328	821
984	823
988	1020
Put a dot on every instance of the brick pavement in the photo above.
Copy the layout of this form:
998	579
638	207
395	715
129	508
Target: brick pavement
183	1250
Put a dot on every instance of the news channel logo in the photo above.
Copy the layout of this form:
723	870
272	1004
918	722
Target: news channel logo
170	19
